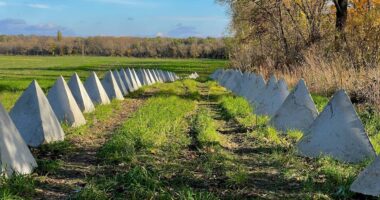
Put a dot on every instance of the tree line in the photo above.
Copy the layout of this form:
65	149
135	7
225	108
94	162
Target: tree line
283	33
114	46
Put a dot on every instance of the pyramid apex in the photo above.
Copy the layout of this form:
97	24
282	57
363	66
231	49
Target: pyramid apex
337	132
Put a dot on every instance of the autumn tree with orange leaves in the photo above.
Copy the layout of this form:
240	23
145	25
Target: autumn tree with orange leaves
280	32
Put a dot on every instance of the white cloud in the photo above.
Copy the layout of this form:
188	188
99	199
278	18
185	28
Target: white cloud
19	26
160	34
181	31
40	6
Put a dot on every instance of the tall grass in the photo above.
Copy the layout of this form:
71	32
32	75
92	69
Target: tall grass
324	77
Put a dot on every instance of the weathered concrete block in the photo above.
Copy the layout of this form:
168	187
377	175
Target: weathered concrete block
120	83
111	87
138	81
35	119
15	154
273	98
64	105
128	80
337	132
297	112
368	181
80	94
96	90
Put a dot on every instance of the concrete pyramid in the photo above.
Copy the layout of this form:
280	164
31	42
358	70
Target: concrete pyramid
151	77
156	76
247	85
131	74
337	132
297	112
159	74
166	75
96	90
138	81
162	74
273	97
226	76
237	89
170	76
80	94
120	82
261	90
142	77
111	87
147	76
216	74
254	95
128	81
220	76
368	181
241	84
233	81
15	154
35	119
64	105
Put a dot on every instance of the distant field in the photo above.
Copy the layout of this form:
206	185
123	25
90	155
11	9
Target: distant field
16	72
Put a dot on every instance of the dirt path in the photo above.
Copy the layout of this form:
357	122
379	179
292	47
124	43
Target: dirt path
82	161
265	180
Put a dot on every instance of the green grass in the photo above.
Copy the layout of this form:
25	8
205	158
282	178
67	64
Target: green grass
184	89
267	134
16	72
146	148
205	128
48	166
100	114
320	101
371	121
239	109
17	187
321	178
294	135
160	125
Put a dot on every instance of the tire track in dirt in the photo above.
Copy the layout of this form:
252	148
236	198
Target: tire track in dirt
265	180
83	162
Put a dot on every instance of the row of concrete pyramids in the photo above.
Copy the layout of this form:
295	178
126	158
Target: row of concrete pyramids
35	118
336	132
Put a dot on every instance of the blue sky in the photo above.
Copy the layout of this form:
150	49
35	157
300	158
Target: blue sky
143	18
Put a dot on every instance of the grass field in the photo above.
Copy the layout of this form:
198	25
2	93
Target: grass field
16	72
182	140
188	140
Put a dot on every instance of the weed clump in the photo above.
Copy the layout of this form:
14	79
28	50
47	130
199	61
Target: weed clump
294	135
267	134
17	187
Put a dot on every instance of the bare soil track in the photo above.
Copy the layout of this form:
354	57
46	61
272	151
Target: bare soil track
82	162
